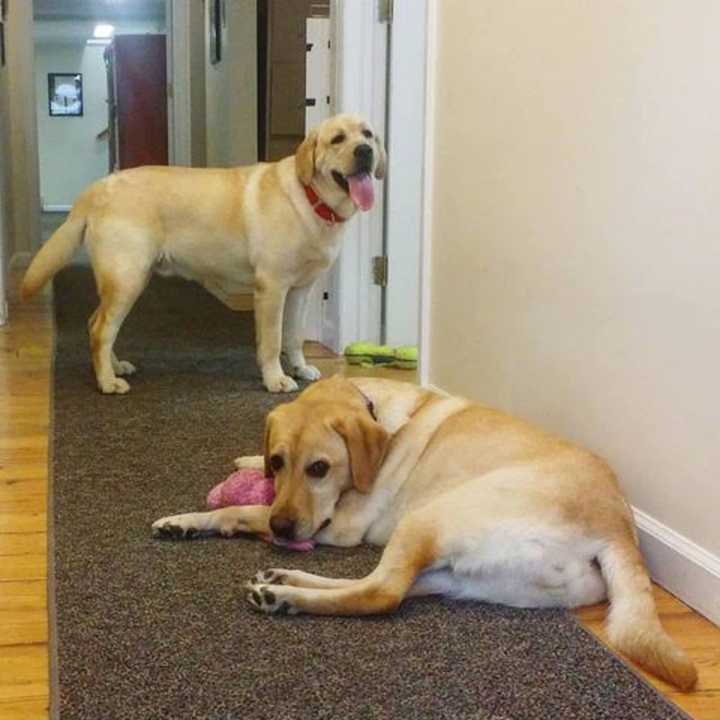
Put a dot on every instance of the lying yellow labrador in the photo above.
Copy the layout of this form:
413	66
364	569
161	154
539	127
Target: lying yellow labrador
271	227
467	501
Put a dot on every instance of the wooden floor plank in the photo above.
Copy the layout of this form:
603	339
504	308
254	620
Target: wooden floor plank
25	355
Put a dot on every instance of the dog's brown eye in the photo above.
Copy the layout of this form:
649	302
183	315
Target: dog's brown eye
318	469
338	139
367	133
276	463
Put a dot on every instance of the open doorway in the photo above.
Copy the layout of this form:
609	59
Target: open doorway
293	63
237	94
86	57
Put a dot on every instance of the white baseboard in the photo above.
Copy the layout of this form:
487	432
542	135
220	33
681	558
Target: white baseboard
687	570
57	208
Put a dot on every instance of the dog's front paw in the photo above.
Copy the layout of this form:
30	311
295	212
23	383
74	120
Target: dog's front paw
280	383
116	386
268	599
307	372
175	527
269	577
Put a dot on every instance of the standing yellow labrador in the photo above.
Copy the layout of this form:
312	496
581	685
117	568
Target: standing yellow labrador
273	227
468	501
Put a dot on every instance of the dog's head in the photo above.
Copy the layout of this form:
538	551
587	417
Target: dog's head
343	150
317	447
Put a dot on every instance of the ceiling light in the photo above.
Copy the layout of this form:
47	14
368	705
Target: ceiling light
103	31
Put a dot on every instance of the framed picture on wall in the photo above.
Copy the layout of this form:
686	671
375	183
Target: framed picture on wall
65	94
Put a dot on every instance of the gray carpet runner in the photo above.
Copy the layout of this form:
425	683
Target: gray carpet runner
143	628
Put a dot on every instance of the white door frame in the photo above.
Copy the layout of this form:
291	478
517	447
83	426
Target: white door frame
431	55
361	86
360	42
177	37
354	307
404	183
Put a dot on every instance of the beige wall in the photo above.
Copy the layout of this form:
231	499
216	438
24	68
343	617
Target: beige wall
19	152
576	232
231	90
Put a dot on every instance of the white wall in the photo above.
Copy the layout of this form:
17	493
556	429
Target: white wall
575	261
71	155
231	90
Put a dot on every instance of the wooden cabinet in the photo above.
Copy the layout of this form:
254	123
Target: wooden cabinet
137	101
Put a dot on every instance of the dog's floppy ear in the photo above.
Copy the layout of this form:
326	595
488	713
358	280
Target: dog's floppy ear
381	158
366	442
305	158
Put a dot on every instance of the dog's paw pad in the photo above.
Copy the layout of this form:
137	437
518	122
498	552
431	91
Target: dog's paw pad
267	600
271	577
174	532
175	528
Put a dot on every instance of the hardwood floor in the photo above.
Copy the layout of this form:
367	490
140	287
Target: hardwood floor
25	356
25	366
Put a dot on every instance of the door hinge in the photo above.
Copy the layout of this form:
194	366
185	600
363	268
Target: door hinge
385	11
380	270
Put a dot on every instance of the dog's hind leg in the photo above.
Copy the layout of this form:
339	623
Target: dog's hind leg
122	367
300	578
116	300
431	582
411	550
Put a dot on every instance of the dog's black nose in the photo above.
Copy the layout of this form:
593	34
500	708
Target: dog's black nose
363	152
283	527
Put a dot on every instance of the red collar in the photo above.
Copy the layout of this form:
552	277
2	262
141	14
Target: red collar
320	208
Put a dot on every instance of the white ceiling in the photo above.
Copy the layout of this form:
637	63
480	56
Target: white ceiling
98	9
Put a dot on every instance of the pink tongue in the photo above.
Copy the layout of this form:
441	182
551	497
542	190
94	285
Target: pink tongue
299	545
362	191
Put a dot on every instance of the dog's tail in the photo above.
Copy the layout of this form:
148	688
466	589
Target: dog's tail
633	624
55	253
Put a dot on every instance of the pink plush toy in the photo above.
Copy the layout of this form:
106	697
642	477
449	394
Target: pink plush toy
251	487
